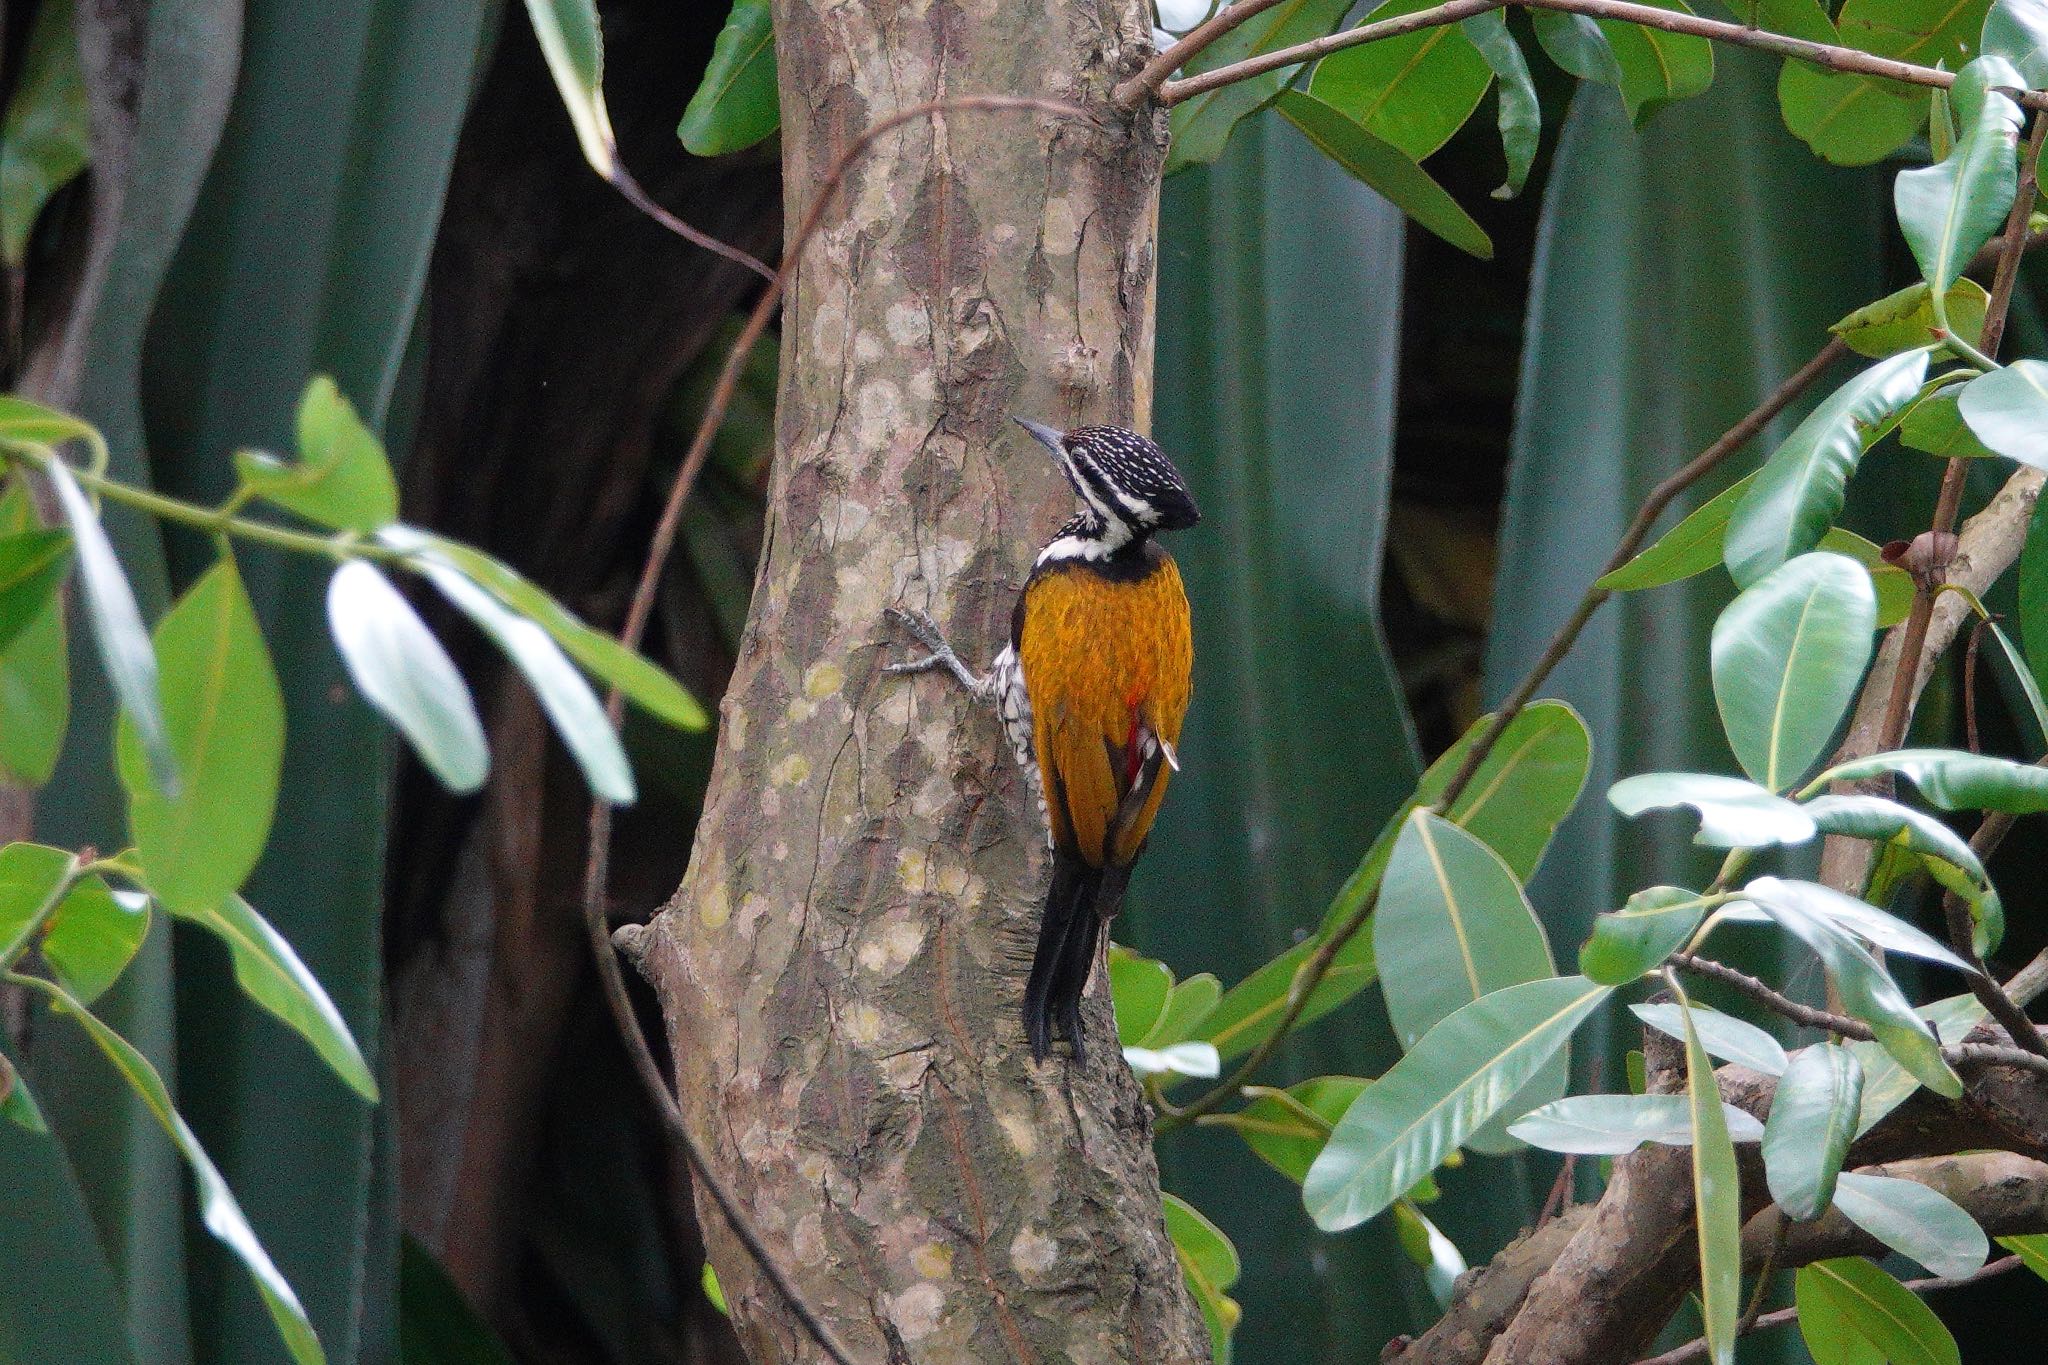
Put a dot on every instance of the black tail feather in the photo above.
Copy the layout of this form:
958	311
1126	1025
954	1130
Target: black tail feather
1066	934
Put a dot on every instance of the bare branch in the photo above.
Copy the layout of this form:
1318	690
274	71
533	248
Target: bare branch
1135	91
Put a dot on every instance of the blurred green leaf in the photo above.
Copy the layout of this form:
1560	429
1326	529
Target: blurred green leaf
1915	1220
1893	1319
1412	91
2017	30
1853	120
1691	547
1386	169
343	478
1630	941
403	672
1813	1118
2033	594
1614	1125
17	1105
1948	858
1436	1255
32	564
225	718
217	1207
1287	1128
63	1302
1521	113
1947	211
1788	656
736	104
436	1325
1577	44
1202	125
46	139
1187	1009
2032	1251
1953	779
573	45
1733	813
1209	1263
1935	424
35	691
578	716
1658	67
1453	1080
1886	1084
23	421
1722	1035
1905	320
714	1291
2008	411
29	875
93	937
1139	987
1717	1200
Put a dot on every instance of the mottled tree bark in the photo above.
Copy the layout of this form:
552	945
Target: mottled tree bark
843	965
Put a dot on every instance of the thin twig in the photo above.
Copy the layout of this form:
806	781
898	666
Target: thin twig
1173	92
1805	1015
622	180
1696	1349
1133	92
596	868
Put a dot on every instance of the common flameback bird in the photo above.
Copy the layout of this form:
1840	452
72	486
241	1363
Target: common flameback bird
1091	689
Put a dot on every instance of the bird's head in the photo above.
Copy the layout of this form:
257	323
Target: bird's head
1122	476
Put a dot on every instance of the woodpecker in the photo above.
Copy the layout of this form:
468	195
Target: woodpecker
1091	689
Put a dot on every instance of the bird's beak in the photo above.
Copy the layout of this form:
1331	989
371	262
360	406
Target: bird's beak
1046	435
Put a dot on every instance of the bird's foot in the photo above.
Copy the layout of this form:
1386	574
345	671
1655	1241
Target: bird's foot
926	632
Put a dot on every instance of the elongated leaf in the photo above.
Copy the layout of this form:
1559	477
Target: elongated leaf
1950	209
1723	1035
1287	1128
1904	320
93	937
1733	813
1576	43
1187	1009
1436	1255
17	1105
1895	1323
2008	411
573	44
224	715
47	137
343	478
1788	656
1386	169
271	974
117	628
736	104
1252	1009
2033	594
1632	940
1798	493
1692	546
1202	125
1853	120
217	1207
32	564
1209	1264
1866	921
1411	92
1918	1222
1717	1198
1139	988
1813	1118
1954	780
1657	66
2017	30
1886	1084
403	671
1893	585
2032	1251
1521	113
35	698
1614	1125
577	714
1457	1077
1948	859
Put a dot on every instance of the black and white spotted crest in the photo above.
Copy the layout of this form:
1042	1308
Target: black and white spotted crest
1131	488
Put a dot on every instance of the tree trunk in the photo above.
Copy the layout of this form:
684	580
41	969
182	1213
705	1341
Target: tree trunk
843	965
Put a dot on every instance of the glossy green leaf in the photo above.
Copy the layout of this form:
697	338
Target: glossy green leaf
1630	941
342	479
575	711
1799	491
1893	1319
35	691
1187	1009
1412	91
1918	1222
1459	1075
32	564
124	645
1139	988
600	655
1252	1009
1893	585
1867	991
1949	859
1813	1118
2008	411
93	937
1386	169
1865	921
1905	320
1657	66
1452	926
2033	594
1723	1035
1614	1125
1717	1198
2032	1250
1947	211
225	718
1287	1128
1426	1247
1953	779
1577	44
46	139
1935	424
1853	120
573	45
1209	1264
1826	1328
1202	125
2017	30
736	104
1691	547
1788	656
403	672
1733	813
271	974
1886	1084
218	1210
1521	114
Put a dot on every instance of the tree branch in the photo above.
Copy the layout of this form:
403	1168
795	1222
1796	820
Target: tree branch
1805	1015
1135	91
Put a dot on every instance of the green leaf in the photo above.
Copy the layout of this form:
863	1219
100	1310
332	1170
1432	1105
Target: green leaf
1209	1264
1830	1336
35	685
1386	169
1918	1222
1426	1247
1947	211
1854	120
736	104
1655	923
32	564
222	1216
1788	655
1287	1128
714	1291
1452	926
1251	1010
1799	491
573	45
578	717
1139	987
1717	1199
1723	1035
1577	44
1614	1125
29	875
2008	411
1866	921
2017	30
93	937
17	1105
1656	66
1733	813
1202	125
1952	779
224	715
1187	1009
1459	1075
25	422
1905	320
1867	991
1521	113
1412	91
2033	595
403	672
1813	1118
1893	1319
117	627
1886	1084
47	137
1948	859
437	1325
1894	586
2032	1250
271	974
343	478
1691	547
600	655
1935	424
